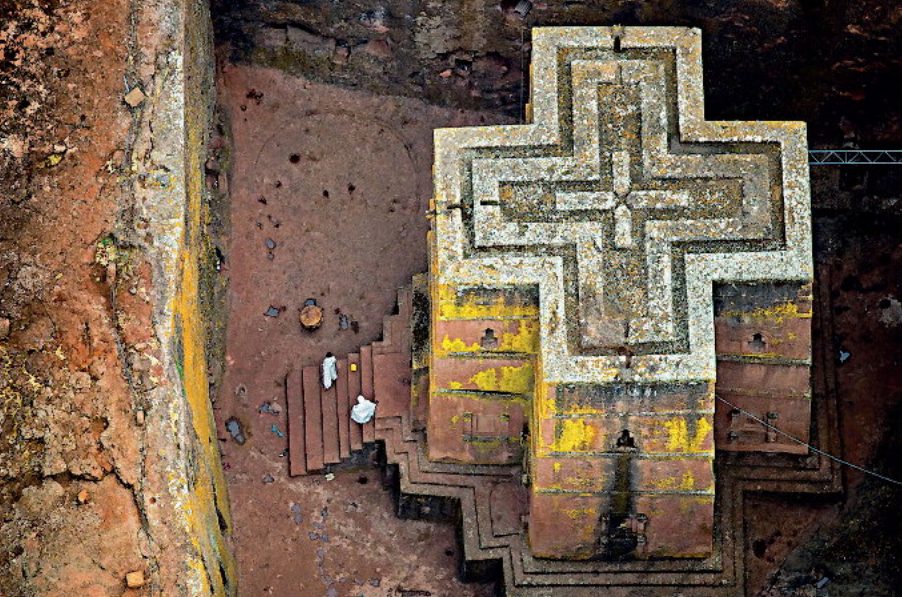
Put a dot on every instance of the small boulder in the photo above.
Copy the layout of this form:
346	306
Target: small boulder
135	580
135	97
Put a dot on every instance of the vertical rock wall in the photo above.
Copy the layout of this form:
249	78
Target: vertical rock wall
109	468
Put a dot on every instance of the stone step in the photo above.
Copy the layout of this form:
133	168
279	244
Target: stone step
405	301
329	399
391	383
385	344
313	418
403	334
393	333
355	431
419	321
344	411
294	400
366	388
419	398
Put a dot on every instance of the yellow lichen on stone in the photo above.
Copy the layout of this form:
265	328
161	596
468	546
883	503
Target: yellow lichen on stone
574	435
452	305
776	314
526	340
450	345
675	483
680	439
515	380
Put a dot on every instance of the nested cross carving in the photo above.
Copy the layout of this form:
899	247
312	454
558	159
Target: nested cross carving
622	200
623	203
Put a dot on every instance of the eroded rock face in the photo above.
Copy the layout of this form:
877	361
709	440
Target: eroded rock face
92	545
474	53
62	384
82	294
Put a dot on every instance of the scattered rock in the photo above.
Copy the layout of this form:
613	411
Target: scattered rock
135	97
270	244
275	429
235	429
296	515
134	580
890	312
844	355
4	327
268	479
255	95
275	408
83	496
343	322
266	408
139	417
341	55
330	476
272	311
378	48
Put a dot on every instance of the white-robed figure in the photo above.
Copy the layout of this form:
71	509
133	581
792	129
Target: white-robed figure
329	370
363	411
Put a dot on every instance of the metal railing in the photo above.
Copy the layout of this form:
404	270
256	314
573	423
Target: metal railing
835	157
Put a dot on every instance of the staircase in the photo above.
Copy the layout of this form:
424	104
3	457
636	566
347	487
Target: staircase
320	429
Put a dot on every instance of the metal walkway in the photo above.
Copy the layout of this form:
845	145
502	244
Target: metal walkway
836	157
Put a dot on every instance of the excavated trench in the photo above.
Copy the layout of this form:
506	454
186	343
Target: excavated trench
328	84
143	239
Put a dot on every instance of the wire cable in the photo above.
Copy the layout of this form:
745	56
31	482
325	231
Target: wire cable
812	448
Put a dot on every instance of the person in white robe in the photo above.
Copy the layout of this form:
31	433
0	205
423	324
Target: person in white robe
329	370
363	411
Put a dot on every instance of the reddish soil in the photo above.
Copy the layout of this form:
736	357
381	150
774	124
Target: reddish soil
65	405
340	182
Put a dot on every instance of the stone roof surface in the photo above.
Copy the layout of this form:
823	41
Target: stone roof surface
622	204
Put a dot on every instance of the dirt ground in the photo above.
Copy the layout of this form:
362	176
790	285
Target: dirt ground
337	182
856	543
